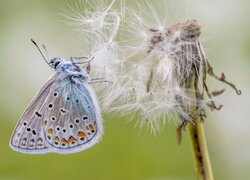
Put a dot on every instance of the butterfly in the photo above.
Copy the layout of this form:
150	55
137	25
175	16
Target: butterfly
64	117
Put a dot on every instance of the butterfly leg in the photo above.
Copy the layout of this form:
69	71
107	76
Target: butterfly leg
99	80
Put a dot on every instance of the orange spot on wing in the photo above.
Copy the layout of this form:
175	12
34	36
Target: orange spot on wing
56	138
88	128
81	134
50	131
45	123
91	127
71	139
64	141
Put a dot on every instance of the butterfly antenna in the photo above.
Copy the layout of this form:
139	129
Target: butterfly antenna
40	52
46	51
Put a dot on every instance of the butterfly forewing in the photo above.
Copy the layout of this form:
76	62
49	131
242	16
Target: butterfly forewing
28	136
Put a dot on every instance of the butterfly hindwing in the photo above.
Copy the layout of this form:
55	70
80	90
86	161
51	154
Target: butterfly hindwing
74	118
28	135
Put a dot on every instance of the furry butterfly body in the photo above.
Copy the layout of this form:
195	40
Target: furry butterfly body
64	116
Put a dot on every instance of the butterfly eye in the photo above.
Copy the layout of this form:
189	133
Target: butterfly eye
56	64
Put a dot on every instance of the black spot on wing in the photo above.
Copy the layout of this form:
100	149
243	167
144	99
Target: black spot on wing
63	110
38	114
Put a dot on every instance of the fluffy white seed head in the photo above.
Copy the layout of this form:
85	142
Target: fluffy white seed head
150	63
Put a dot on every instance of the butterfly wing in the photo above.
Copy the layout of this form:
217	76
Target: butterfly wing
74	117
28	136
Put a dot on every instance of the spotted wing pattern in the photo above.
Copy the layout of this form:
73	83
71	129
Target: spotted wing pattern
28	136
64	117
72	117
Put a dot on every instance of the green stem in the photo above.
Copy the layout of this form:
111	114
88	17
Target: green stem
199	147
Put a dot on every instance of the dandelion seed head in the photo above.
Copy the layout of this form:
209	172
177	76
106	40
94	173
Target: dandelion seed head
150	63
159	51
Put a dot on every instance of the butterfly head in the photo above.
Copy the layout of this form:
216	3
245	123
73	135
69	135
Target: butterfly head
55	62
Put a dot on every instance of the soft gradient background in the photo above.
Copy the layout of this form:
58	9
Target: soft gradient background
125	151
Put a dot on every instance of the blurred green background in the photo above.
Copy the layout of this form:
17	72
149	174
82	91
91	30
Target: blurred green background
125	152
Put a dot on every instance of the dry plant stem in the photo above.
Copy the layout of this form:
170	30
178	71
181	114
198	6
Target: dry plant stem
200	151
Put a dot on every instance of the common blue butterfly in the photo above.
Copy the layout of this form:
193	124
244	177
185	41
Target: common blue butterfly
64	117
